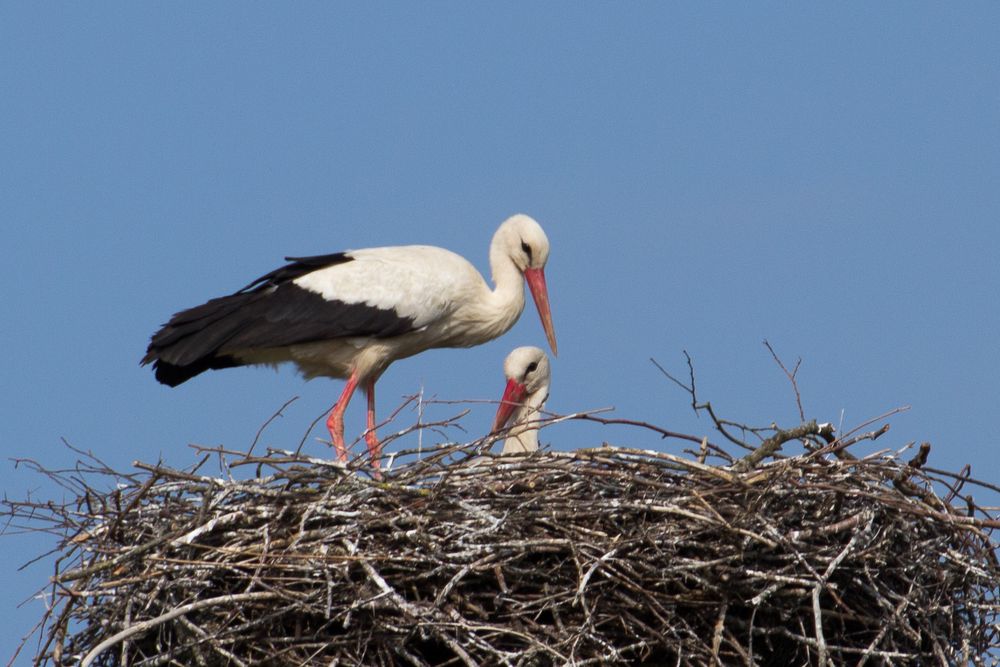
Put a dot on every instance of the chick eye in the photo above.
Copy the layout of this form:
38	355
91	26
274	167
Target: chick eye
526	249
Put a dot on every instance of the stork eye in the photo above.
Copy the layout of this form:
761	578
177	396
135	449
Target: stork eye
531	368
526	249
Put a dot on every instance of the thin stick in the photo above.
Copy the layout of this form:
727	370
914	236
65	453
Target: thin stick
270	419
790	374
143	626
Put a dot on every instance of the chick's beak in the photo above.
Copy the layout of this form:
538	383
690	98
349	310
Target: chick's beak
513	396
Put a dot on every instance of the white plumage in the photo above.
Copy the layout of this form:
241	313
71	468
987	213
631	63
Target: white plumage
528	376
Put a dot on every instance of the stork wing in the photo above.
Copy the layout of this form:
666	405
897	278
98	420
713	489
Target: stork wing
379	292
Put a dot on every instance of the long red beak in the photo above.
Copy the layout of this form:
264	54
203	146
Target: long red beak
536	283
513	396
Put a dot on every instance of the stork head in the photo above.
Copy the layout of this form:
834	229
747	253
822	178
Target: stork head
524	241
528	374
527	241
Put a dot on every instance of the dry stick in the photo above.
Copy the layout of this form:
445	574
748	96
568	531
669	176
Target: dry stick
868	422
919	459
407	401
579	597
903	603
720	424
791	377
407	608
81	572
720	624
24	641
664	433
823	660
438	425
267	423
955	490
849	522
136	499
623	454
902	479
841	443
963	477
229	656
312	425
773	444
823	582
58	628
170	615
161	470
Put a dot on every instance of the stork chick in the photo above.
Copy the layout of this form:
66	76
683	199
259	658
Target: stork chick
528	374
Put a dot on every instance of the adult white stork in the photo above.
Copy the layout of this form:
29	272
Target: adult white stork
528	375
351	314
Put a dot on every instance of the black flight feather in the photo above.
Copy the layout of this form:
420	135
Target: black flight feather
270	312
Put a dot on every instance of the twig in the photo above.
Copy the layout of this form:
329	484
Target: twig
791	377
773	444
869	422
267	423
143	626
706	406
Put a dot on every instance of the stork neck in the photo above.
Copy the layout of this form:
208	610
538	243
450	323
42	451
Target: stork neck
505	272
523	437
507	296
521	443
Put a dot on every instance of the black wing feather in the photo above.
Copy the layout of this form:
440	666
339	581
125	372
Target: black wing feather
270	312
298	267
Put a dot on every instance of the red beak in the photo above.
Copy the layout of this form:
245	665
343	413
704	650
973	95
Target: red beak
536	283
513	396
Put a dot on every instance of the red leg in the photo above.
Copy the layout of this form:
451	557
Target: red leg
374	449
335	422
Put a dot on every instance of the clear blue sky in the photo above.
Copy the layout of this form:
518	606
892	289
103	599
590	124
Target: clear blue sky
709	175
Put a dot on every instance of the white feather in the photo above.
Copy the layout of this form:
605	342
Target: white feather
422	283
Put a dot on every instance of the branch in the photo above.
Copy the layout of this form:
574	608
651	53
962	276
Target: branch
720	424
267	423
170	615
773	444
790	375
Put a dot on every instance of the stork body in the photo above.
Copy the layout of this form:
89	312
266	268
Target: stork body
350	315
528	377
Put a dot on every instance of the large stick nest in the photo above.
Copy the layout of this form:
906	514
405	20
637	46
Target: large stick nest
602	556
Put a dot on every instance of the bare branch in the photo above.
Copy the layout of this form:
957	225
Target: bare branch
790	374
270	419
720	424
773	444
